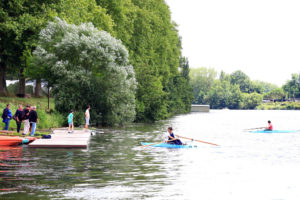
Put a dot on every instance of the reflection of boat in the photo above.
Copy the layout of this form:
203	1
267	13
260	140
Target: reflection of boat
166	145
275	131
11	140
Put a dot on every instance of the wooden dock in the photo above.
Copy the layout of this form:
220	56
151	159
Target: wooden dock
62	139
200	108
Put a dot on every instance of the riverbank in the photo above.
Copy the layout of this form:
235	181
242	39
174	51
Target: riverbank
48	118
279	106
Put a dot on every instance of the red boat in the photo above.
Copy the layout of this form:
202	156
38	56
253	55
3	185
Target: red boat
10	141
30	139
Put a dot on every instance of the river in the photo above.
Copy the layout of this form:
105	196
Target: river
245	166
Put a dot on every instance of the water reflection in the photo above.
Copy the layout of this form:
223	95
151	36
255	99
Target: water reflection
116	167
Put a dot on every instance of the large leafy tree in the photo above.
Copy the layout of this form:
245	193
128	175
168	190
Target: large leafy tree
146	29
87	67
21	22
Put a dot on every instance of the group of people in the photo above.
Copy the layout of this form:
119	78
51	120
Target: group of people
71	122
28	115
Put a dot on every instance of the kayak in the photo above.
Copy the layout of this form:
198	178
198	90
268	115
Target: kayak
275	131
166	145
11	141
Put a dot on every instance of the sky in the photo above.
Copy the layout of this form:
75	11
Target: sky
259	37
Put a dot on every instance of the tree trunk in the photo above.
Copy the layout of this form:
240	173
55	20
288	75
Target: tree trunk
22	91
3	89
48	98
38	89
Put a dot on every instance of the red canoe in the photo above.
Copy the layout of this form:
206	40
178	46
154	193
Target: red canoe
10	141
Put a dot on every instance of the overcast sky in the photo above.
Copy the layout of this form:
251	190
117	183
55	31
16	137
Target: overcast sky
259	37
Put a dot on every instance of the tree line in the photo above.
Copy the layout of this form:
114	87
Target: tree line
122	57
237	90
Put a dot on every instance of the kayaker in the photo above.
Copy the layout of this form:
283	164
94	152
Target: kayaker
172	137
6	116
270	126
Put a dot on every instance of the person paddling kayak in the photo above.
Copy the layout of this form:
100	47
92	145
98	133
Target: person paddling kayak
270	126
172	137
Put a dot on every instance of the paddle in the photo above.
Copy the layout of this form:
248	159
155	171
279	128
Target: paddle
249	129
159	142
197	140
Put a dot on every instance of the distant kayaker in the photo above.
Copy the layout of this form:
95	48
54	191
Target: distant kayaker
6	116
270	126
70	122
172	137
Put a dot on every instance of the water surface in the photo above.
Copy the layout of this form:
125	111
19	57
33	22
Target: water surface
245	166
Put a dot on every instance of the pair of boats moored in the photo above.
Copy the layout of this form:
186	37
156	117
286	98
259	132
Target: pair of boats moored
15	140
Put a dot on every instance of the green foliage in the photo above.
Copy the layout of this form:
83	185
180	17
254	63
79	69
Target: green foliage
146	29
242	80
251	101
202	80
275	94
280	106
87	67
292	87
13	89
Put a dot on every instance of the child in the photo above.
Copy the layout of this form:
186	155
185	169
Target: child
70	122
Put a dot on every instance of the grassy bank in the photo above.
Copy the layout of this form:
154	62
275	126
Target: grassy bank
47	118
279	106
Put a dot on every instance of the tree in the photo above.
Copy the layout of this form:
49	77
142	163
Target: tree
87	67
240	78
250	101
292	87
275	94
202	80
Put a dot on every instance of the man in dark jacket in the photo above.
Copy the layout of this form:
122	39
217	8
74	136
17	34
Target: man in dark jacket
6	116
33	119
18	117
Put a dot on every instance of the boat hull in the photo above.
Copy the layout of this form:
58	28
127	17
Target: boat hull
10	141
276	131
165	145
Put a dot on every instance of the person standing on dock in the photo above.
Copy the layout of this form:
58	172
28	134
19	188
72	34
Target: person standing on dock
25	118
6	116
33	119
87	117
70	122
18	117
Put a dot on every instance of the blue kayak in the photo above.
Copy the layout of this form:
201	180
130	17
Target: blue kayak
275	131
166	145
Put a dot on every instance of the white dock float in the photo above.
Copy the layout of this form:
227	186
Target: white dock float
199	108
62	139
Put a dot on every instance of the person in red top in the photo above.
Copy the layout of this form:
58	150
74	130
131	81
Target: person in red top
270	126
